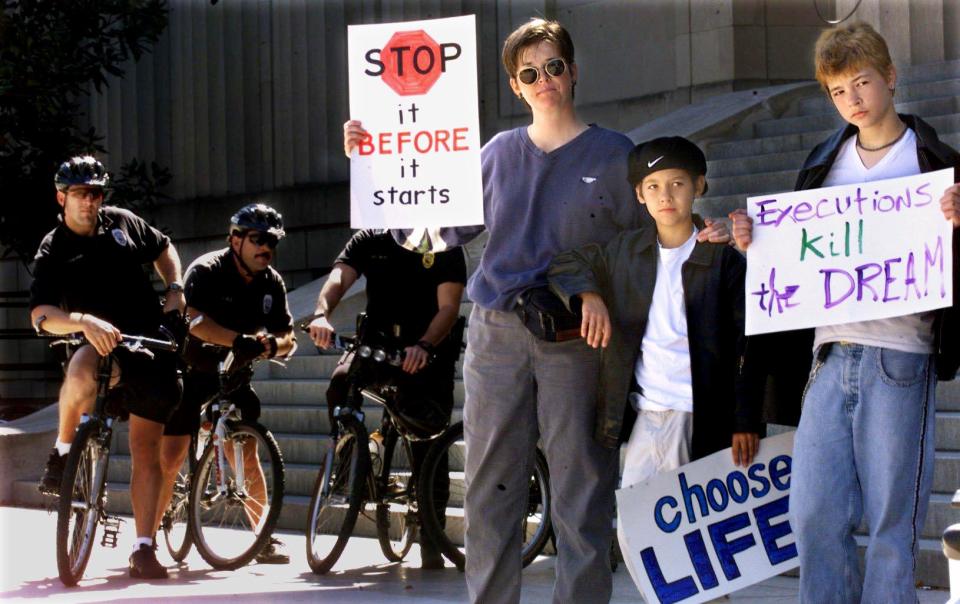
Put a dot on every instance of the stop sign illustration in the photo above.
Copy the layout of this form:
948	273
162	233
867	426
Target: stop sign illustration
412	62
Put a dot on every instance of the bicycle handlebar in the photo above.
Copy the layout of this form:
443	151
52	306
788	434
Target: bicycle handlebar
75	339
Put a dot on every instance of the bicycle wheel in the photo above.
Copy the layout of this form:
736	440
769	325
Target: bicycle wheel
397	522
234	506
446	521
536	523
81	502
175	523
337	496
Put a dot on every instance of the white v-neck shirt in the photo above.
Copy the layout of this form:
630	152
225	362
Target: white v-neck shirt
909	333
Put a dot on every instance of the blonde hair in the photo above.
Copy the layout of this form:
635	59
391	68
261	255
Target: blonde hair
846	48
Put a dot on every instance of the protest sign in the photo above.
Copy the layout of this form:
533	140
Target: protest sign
413	86
849	253
709	528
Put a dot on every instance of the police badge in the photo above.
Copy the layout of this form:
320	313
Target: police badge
428	260
120	237
267	303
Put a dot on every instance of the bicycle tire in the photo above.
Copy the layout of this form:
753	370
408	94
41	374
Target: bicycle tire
337	496
536	518
537	533
213	514
81	501
397	517
175	522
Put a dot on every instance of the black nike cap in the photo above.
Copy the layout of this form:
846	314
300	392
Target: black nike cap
662	154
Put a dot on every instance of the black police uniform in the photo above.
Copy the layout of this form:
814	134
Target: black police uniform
402	301
104	276
214	286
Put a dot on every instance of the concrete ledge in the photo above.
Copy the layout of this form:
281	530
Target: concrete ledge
24	445
725	114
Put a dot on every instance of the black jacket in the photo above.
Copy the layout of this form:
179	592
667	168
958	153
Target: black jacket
624	272
788	355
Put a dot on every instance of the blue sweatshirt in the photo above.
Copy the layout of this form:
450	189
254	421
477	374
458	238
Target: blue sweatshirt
537	204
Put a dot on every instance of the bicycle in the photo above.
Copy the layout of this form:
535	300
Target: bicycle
535	525
83	498
175	522
348	479
361	468
234	493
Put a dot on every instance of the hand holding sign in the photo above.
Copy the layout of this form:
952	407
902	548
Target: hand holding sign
415	160
709	528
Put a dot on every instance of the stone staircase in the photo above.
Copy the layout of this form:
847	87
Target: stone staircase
763	159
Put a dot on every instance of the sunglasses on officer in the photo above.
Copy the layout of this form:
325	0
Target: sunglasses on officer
259	238
553	68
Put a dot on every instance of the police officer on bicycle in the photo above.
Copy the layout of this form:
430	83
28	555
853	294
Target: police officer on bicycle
88	277
414	298
238	302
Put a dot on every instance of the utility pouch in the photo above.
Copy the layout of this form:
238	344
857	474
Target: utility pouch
545	316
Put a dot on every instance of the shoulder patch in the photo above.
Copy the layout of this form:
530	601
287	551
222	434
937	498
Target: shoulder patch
267	303
120	237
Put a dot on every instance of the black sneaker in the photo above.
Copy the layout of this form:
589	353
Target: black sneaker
53	474
144	564
273	553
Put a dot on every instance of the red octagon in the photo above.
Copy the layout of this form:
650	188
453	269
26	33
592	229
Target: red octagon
411	62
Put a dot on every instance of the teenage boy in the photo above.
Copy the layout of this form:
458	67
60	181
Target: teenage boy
669	311
865	445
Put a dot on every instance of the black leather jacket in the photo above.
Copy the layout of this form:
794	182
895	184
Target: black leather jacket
624	273
792	351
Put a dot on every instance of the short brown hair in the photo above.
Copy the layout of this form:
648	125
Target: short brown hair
846	48
534	31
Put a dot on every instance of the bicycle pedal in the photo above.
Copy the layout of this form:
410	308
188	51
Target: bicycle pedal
111	530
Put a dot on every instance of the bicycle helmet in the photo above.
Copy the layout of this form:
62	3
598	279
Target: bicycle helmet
81	170
257	217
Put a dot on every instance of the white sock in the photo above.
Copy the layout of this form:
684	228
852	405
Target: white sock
62	447
148	541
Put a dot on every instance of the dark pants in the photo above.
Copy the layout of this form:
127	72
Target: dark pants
435	382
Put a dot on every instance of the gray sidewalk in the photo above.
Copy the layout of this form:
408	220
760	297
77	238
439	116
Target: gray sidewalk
28	572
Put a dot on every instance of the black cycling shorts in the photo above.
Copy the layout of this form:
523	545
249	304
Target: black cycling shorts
199	387
149	387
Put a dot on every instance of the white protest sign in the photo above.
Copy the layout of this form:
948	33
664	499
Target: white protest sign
413	86
709	528
849	253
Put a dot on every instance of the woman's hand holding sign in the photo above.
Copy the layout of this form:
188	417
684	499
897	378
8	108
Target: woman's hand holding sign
595	326
353	133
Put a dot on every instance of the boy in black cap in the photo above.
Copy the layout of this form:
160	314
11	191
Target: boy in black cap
675	385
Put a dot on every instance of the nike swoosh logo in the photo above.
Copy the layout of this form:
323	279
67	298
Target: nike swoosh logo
650	164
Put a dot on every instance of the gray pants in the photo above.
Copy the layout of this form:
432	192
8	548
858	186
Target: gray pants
519	389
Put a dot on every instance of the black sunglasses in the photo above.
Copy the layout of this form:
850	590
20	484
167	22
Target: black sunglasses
553	68
258	238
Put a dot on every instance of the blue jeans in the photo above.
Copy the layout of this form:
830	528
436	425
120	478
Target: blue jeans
864	449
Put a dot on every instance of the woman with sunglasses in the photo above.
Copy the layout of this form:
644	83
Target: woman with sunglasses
554	185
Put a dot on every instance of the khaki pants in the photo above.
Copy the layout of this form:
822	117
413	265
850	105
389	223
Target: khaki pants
520	389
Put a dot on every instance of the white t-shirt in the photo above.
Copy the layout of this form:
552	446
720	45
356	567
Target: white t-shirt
909	333
663	369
